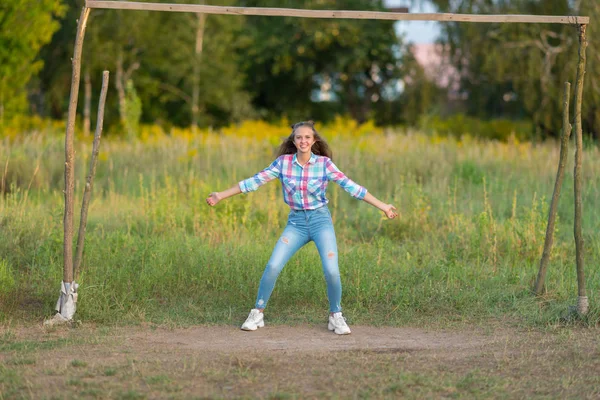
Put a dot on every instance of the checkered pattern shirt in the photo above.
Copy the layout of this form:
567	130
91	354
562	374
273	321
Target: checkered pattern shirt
303	187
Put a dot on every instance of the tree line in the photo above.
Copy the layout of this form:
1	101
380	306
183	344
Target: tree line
526	64
190	69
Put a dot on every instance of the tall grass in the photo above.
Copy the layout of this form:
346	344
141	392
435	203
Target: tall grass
465	248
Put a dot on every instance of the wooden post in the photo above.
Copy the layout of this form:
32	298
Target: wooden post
69	152
87	194
560	173
582	300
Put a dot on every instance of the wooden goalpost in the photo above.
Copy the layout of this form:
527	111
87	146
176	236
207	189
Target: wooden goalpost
578	21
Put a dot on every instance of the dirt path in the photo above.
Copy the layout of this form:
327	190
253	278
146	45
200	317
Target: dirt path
309	339
297	362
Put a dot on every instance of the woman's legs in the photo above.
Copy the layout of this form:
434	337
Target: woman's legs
291	240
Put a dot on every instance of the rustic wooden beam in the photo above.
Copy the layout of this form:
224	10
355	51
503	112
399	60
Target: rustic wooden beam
89	183
560	173
69	151
582	300
292	12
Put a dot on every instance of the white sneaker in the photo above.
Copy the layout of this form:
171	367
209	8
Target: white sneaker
255	320
337	323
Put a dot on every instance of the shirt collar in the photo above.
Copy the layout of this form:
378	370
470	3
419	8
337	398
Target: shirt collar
312	160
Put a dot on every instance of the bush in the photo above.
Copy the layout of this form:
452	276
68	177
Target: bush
496	129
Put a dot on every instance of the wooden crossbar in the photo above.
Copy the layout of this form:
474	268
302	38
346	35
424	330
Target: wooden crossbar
292	12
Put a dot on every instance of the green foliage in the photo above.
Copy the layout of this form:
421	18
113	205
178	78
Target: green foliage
495	129
289	59
466	247
273	68
25	26
591	94
518	70
156	51
249	67
7	281
421	96
133	110
469	171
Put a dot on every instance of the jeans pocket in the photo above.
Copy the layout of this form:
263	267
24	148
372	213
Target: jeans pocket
323	210
293	218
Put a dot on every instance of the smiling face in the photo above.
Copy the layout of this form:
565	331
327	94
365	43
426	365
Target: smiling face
304	138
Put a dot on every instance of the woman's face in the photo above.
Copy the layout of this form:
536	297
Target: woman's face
304	138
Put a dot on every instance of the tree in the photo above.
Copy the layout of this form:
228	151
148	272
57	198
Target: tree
180	75
25	26
591	95
291	61
517	70
156	52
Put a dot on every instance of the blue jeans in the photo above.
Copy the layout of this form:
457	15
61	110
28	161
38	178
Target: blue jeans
302	227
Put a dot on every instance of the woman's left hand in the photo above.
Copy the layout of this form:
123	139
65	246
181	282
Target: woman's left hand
390	211
213	199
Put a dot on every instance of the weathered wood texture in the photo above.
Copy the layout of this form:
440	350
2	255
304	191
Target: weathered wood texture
578	160
89	184
560	173
291	12
69	152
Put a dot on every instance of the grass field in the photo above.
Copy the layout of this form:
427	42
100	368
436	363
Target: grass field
465	249
439	300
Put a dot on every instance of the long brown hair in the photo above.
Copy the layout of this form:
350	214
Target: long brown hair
319	147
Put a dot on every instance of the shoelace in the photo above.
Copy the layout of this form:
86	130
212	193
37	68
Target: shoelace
339	319
254	315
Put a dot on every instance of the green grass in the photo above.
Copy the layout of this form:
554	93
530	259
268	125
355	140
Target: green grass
465	249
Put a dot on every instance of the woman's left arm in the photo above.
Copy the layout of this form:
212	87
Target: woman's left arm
355	190
388	209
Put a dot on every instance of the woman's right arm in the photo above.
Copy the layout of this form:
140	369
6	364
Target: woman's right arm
247	185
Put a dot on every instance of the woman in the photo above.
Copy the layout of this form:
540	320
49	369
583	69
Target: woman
304	167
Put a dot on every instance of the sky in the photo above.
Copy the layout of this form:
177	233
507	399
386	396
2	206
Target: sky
416	31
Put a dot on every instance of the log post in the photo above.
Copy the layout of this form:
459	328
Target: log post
87	194
560	173
69	152
582	300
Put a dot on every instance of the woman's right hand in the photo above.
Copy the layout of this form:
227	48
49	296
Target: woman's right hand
213	199
390	211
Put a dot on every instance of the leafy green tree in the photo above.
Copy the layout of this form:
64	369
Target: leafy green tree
173	69
154	50
25	26
518	70
291	61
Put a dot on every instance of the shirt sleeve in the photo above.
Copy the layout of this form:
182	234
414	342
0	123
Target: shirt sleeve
264	176
334	174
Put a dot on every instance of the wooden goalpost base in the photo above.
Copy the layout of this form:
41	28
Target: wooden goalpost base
578	21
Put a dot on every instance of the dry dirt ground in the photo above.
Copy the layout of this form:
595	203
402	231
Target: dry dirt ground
298	362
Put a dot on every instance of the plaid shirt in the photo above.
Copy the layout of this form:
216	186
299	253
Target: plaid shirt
303	187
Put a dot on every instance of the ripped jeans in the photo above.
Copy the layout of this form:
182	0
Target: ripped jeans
302	227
